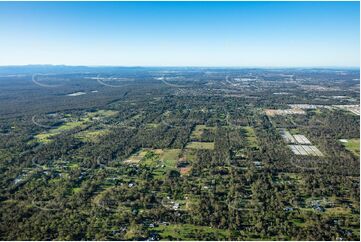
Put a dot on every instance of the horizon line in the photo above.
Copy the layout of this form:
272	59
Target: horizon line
177	66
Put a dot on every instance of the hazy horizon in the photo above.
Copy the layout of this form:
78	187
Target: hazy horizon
183	66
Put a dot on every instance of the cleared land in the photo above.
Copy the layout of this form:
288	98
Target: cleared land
46	137
300	145
200	145
288	138
353	145
274	112
163	160
305	150
137	157
189	231
68	125
198	131
251	137
301	139
91	135
294	139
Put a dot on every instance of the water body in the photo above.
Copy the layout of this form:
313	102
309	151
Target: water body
76	94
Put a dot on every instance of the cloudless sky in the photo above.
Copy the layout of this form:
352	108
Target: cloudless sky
263	34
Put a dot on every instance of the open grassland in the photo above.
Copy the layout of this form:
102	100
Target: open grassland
198	131
81	122
102	113
91	135
163	160
136	157
170	154
200	145
190	232
168	161
353	145
251	137
46	137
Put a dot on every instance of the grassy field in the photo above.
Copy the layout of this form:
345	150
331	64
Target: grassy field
200	145
190	232
198	131
152	125
169	159
162	160
251	137
102	113
189	155
137	157
353	145
91	135
170	154
46	137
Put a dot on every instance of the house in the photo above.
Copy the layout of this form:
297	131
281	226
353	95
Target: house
288	209
176	206
318	208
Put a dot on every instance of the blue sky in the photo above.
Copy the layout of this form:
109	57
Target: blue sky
264	34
